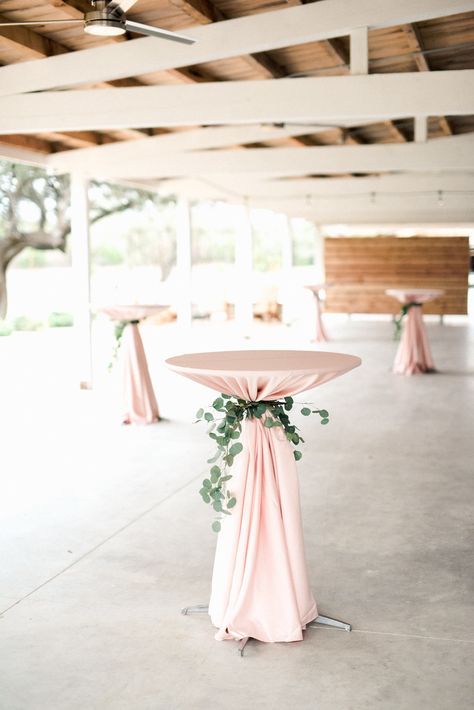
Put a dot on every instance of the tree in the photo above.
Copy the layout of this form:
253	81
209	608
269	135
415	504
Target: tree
34	211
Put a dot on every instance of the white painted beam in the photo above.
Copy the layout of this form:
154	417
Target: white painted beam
231	38
321	99
401	183
453	153
112	155
22	155
421	129
359	51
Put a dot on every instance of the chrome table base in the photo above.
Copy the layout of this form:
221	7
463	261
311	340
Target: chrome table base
317	623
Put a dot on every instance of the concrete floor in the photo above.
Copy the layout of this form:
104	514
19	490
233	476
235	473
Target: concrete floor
104	537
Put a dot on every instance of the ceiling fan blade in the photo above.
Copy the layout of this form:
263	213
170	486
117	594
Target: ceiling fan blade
157	32
39	22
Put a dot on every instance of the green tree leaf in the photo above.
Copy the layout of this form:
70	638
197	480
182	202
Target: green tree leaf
208	417
218	403
206	483
324	413
235	449
217	505
306	411
231	502
215	475
325	421
216	526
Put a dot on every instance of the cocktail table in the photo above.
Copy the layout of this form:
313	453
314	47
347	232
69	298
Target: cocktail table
139	400
320	335
260	587
413	354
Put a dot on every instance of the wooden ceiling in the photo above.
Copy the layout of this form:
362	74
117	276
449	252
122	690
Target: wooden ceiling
440	44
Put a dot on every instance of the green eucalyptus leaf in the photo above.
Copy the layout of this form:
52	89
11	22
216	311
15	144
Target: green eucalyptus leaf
205	498
208	417
217	505
325	421
231	502
215	476
206	483
235	434
199	413
216	526
225	478
306	411
229	459
235	449
323	413
297	454
225	396
268	423
214	458
216	469
295	438
218	403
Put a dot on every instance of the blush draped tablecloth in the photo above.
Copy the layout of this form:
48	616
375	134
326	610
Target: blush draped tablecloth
139	401
414	355
320	335
260	586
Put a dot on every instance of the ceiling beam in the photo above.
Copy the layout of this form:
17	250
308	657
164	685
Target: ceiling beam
244	35
114	154
319	100
453	154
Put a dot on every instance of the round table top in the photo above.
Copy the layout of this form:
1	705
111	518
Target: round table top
264	362
132	311
422	295
315	288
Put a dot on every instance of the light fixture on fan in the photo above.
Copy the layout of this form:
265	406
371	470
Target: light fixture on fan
108	19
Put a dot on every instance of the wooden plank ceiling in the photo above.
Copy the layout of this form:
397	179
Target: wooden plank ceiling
438	44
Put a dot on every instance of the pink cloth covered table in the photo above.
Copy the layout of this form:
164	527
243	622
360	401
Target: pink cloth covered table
320	335
260	587
139	402
413	354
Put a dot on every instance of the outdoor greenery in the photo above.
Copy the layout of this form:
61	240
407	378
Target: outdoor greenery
225	419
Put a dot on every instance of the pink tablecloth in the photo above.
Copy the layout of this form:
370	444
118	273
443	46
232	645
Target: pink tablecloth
139	402
260	586
413	354
320	335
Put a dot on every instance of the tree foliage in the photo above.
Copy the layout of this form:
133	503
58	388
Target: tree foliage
35	211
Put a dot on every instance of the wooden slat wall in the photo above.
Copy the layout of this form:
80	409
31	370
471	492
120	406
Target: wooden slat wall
361	268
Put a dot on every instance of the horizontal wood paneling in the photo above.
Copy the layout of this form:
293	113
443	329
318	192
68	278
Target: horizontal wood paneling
361	268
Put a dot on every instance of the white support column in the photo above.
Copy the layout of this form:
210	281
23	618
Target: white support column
359	51
421	129
244	269
80	256
287	265
319	254
183	261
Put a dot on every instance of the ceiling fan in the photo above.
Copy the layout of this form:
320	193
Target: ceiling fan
107	19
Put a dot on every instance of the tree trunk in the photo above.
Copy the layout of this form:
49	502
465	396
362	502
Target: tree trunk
9	248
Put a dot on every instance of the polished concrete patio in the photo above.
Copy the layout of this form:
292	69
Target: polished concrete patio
104	538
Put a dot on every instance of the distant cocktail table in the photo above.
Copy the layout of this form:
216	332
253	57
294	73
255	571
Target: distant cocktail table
413	354
260	587
139	402
320	335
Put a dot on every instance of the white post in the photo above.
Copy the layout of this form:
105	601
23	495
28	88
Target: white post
359	51
244	269
319	254
287	265
421	129
80	257
183	261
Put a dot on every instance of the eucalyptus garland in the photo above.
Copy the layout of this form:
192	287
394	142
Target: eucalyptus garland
397	321
225	418
118	333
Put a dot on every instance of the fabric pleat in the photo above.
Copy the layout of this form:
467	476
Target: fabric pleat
140	405
413	354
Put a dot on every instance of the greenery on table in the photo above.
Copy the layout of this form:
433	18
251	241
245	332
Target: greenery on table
118	333
225	418
397	321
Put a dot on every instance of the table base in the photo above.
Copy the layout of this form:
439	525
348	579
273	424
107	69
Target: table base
317	622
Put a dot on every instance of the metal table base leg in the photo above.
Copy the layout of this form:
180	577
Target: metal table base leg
197	609
327	621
